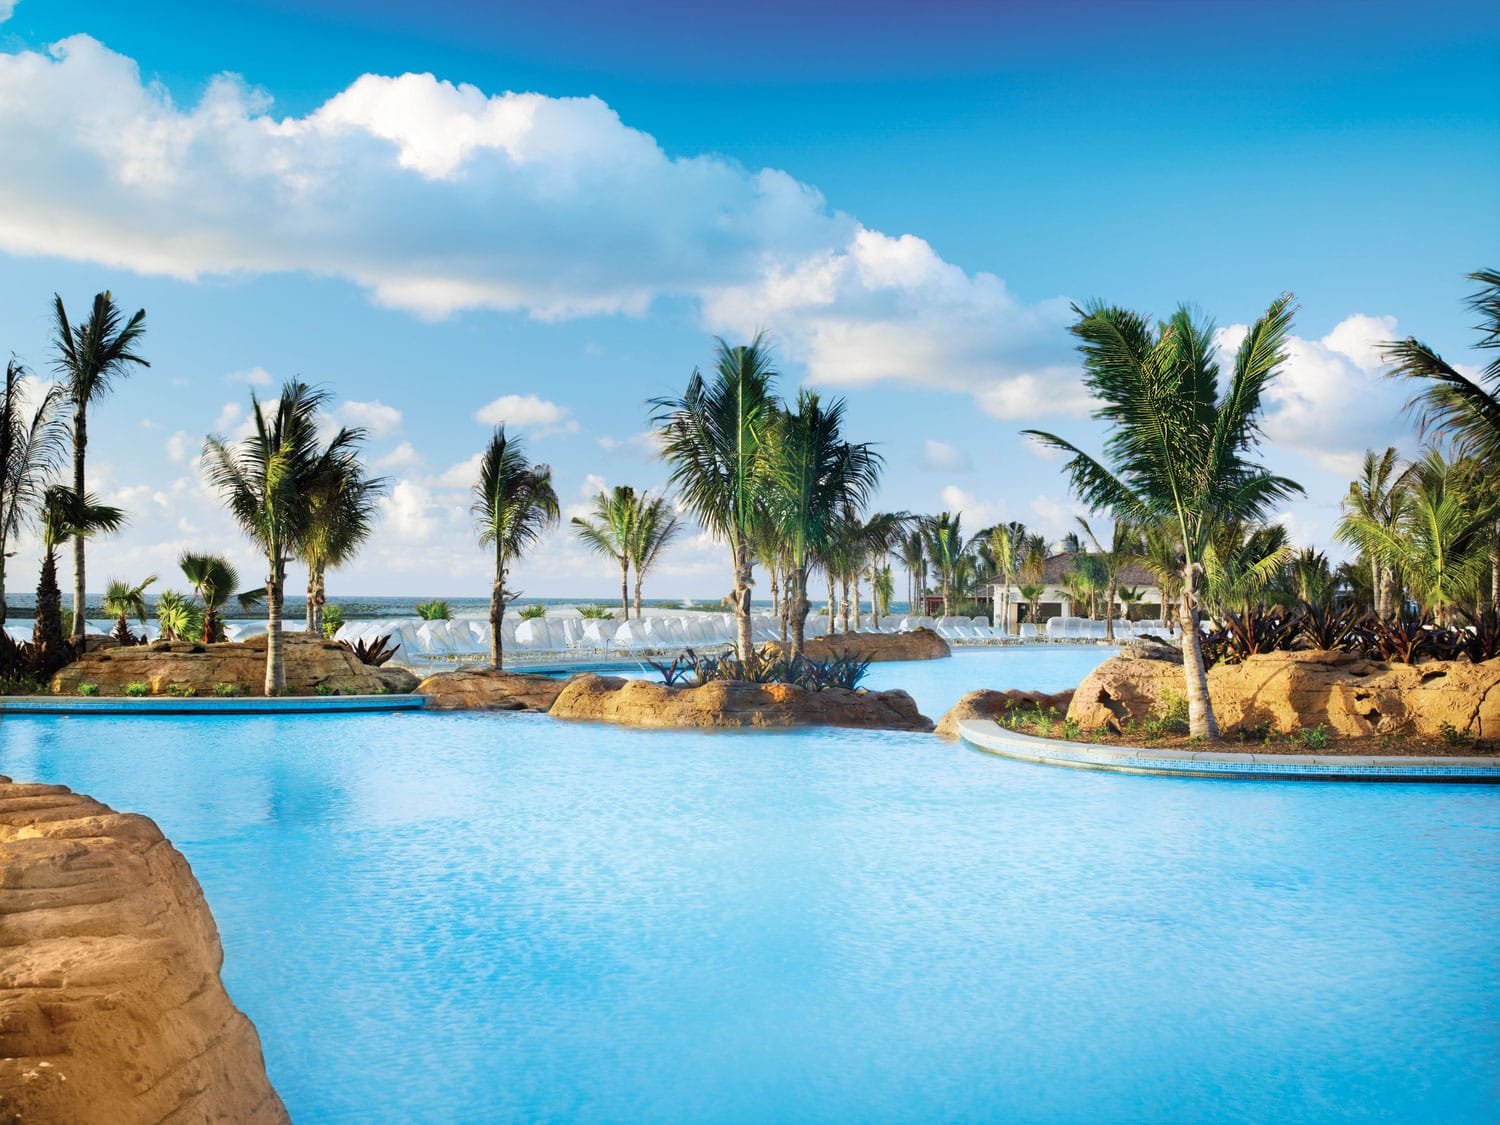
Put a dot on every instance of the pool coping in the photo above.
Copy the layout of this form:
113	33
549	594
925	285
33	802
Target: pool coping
990	737
230	705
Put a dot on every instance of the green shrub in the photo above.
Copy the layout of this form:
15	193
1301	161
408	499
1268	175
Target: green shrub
224	690
324	689
181	691
533	611
1070	729
595	612
436	610
138	688
1314	738
1455	737
333	619
88	689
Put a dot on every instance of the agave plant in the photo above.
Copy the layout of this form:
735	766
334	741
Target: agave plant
435	610
376	653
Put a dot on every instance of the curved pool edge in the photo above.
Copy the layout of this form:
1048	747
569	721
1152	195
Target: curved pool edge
241	705
991	738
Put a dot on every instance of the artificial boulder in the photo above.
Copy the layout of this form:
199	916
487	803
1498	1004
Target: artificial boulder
111	1006
912	644
166	666
724	704
485	689
985	704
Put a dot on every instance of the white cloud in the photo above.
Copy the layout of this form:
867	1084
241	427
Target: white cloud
976	513
436	197
255	377
230	416
177	446
461	475
375	417
7	7
527	412
404	456
409	512
944	457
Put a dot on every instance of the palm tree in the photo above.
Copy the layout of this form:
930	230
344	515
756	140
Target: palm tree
1310	577
713	437
656	526
1179	451
1124	545
1376	500
65	515
882	534
814	476
913	552
31	443
944	544
268	481
1032	592
514	502
122	601
883	588
90	356
1129	596
340	522
177	616
1006	541
213	580
1241	561
1465	411
609	533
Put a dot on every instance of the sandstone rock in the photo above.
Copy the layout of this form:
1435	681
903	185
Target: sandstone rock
915	644
484	689
725	704
986	704
111	1007
311	662
1352	696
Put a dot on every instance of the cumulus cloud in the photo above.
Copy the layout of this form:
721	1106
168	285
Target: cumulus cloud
439	197
976	513
527	412
404	456
255	377
375	417
7	7
945	457
177	446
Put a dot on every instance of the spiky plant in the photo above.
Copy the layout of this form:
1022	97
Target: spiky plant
608	532
32	441
656	526
65	515
214	581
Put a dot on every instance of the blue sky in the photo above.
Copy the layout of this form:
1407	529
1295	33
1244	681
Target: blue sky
907	197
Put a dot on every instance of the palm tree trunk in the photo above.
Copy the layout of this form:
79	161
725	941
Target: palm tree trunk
4	609
625	587
275	658
744	638
1201	721
1377	588
775	592
798	606
1109	611
320	599
80	443
312	598
1494	577
47	631
638	580
497	613
832	606
844	603
946	594
856	602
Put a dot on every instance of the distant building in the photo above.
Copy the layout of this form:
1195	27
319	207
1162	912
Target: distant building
1056	602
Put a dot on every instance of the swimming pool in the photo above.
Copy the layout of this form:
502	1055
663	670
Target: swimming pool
489	917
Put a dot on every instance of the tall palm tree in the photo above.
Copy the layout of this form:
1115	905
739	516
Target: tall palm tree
514	503
882	534
813	476
65	515
913	552
31	444
1180	452
1465	411
1124	544
1032	592
342	519
883	587
945	543
609	533
1376	500
268	481
123	601
214	580
177	616
713	438
90	357
1240	563
656	526
1006	541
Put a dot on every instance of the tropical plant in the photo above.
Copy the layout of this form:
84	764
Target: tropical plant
177	617
514	503
944	544
656	526
1124	545
435	610
913	552
341	518
884	586
533	611
333	620
65	515
90	357
595	613
1373	509
609	532
1180	452
1032	593
1241	560
1007	545
375	653
123	601
31	444
267	481
1129	596
213	580
881	534
713	437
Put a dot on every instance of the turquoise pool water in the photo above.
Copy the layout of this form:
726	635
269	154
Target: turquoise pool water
479	918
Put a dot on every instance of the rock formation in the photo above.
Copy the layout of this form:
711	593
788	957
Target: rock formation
111	1007
1352	696
914	644
484	689
726	704
311	663
986	704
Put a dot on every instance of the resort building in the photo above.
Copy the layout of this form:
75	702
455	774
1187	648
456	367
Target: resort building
1058	601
